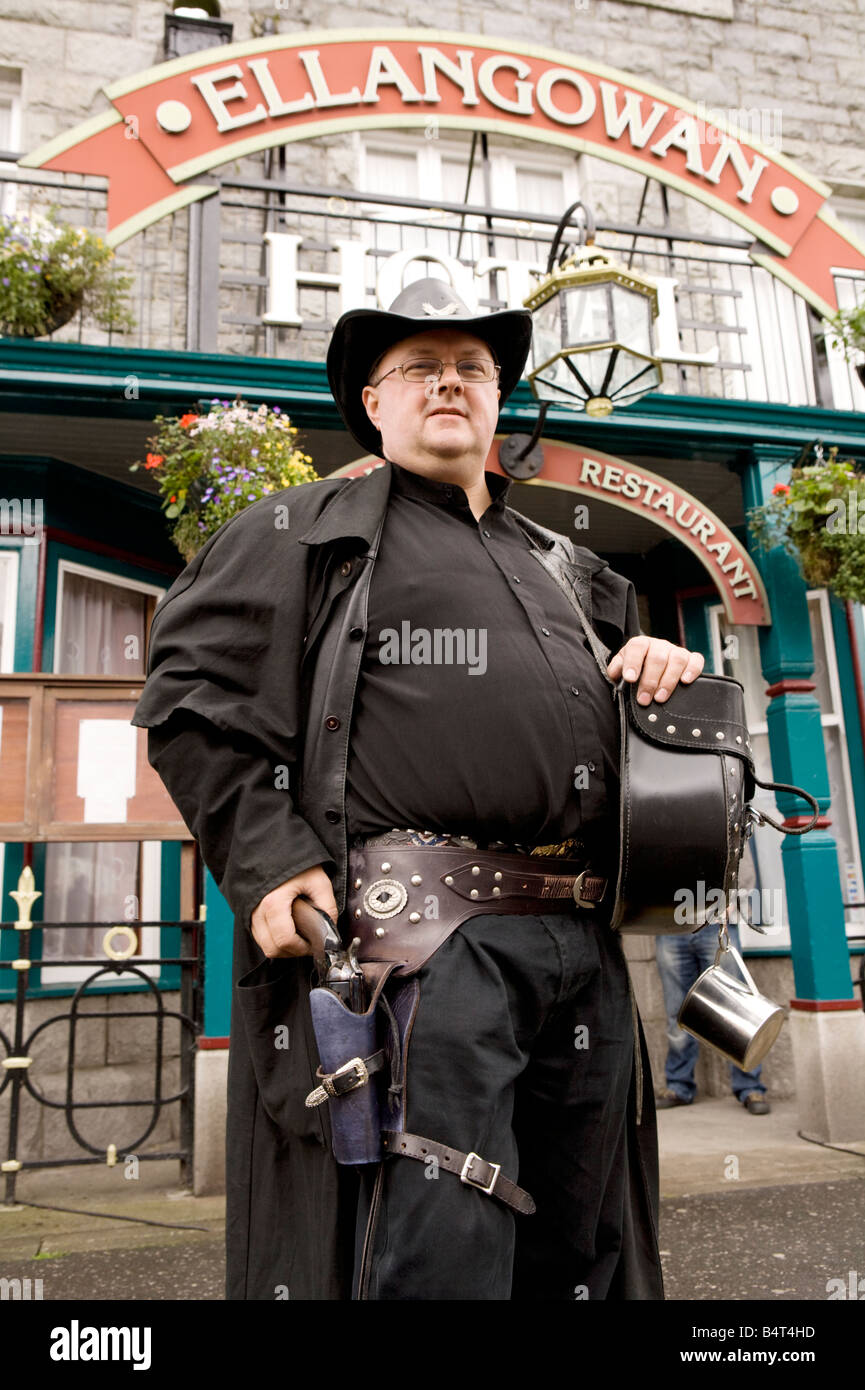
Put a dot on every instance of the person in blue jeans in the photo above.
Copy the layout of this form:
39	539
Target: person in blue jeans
680	960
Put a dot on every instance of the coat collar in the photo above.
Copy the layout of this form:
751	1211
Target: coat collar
357	507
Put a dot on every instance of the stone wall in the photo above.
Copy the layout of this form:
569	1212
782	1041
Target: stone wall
114	1060
784	72
802	59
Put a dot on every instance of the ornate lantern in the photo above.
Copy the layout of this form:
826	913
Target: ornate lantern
592	343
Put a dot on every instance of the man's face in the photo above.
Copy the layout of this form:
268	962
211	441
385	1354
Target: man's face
428	424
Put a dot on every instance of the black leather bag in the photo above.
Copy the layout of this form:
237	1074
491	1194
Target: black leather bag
687	782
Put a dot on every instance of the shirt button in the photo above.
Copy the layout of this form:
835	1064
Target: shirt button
332	816
590	766
356	633
486	533
545	631
345	568
517	579
574	690
331	722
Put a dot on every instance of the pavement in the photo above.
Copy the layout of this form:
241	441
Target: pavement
749	1210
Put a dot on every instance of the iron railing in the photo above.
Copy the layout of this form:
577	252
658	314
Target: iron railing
202	275
19	1076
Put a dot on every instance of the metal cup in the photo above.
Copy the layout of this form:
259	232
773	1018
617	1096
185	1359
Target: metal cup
734	1018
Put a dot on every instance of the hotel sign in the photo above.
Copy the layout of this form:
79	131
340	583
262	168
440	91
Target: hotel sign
171	124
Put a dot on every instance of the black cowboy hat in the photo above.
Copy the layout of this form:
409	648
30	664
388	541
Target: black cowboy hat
361	336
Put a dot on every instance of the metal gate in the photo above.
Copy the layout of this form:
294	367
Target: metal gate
16	1051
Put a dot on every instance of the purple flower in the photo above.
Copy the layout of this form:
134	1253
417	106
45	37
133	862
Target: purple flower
214	400
254	453
276	410
6	280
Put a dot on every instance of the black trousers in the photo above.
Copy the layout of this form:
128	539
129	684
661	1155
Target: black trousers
522	1050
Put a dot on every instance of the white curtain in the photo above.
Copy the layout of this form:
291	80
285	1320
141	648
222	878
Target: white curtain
101	628
87	883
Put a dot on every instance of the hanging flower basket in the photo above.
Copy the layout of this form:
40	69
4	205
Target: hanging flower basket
59	310
50	271
819	518
211	466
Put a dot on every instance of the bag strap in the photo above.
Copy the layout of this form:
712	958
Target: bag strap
761	817
602	656
599	651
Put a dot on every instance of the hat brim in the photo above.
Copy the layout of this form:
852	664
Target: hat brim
362	335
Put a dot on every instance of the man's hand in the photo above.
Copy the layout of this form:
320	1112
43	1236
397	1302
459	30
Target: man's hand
273	926
662	666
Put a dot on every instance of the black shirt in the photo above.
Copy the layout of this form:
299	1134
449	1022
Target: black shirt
479	701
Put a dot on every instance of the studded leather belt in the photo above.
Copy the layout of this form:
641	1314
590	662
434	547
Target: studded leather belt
403	902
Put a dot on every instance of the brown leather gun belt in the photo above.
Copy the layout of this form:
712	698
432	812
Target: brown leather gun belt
404	901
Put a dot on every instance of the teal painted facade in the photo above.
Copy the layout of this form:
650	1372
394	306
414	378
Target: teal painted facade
757	441
98	513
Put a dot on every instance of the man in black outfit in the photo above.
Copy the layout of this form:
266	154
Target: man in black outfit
425	682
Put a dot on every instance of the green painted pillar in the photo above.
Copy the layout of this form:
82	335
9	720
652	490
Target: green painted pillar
218	945
211	1060
815	903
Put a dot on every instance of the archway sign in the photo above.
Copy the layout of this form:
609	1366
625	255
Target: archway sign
592	475
172	123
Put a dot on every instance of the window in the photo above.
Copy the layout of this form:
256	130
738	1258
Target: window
109	881
742	661
436	168
848	392
102	622
8	607
10	132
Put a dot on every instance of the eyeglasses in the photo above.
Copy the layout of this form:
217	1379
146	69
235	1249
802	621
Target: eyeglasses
421	369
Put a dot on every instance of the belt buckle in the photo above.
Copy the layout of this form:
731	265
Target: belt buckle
578	883
465	1175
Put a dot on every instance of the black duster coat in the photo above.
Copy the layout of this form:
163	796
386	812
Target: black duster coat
254	660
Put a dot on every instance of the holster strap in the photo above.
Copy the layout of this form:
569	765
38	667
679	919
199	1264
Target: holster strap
348	1077
471	1169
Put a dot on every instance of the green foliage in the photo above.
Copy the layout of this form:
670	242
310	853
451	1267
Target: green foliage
819	518
50	269
849	326
210	467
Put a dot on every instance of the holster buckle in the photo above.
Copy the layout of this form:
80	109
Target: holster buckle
466	1176
330	1087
